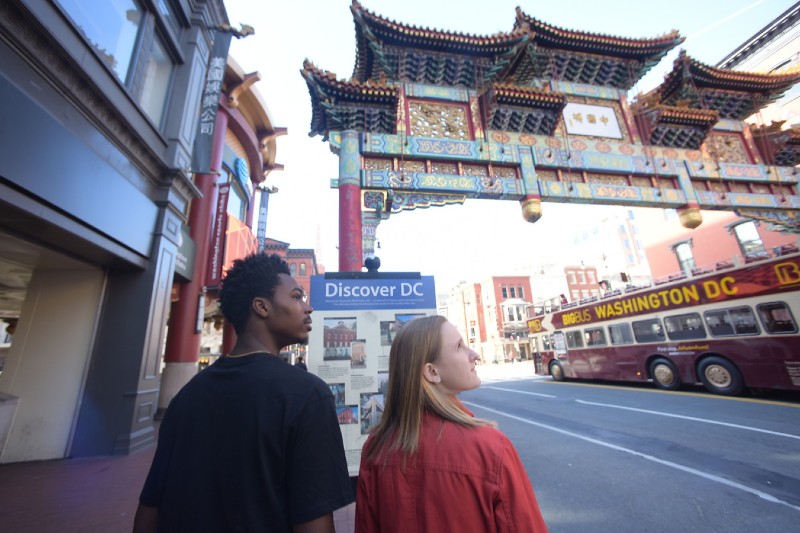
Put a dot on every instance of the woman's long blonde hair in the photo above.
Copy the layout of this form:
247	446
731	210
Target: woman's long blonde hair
409	394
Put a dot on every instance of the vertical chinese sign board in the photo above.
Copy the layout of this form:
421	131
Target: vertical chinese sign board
356	317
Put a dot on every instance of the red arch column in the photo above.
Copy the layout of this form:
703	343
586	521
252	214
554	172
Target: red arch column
350	246
183	341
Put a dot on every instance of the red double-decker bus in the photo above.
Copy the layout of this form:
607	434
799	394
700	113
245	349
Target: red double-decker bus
729	329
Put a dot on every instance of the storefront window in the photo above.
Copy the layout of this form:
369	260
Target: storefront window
237	205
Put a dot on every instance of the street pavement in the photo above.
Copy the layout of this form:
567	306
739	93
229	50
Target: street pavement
100	494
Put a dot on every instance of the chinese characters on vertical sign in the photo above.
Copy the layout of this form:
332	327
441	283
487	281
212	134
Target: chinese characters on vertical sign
201	159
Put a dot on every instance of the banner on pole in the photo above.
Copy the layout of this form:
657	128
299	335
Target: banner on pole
209	102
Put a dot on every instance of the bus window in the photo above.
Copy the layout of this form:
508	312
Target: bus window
574	339
546	343
595	337
744	321
620	334
719	323
777	318
648	330
683	327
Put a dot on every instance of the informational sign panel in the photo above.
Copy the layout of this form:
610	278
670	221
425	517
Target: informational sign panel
356	317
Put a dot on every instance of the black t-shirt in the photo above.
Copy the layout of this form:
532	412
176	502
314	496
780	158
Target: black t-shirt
249	444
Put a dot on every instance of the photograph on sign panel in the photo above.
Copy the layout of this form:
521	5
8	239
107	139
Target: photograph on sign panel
347	414
337	389
402	318
371	410
388	331
339	333
383	382
358	353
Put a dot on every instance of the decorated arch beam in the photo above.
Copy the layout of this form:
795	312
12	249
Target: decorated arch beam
517	167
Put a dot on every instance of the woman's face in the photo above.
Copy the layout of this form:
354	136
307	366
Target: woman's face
455	367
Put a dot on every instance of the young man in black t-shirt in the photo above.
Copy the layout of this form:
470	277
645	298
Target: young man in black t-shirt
251	443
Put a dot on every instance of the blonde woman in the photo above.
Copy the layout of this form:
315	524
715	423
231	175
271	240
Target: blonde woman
430	465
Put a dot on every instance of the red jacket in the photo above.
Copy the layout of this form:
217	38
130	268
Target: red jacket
460	479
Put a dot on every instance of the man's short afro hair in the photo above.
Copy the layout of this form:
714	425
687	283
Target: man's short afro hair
251	277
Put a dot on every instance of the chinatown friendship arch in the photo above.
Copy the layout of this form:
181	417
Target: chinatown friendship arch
540	114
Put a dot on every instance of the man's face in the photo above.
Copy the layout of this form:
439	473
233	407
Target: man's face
290	313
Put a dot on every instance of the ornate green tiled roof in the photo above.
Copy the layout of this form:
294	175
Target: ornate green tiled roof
386	49
523	109
678	127
340	105
583	57
734	94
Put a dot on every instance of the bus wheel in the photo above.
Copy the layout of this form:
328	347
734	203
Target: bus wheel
556	371
664	374
720	376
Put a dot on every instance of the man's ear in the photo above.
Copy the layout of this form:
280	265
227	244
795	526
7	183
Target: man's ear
429	373
260	307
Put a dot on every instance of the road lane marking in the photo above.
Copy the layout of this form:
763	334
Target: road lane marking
522	392
705	420
675	393
711	477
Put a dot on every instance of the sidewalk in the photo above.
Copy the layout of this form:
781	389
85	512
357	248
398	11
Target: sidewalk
100	494
87	495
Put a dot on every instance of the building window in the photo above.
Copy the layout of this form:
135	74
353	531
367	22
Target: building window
155	84
571	278
683	251
168	14
303	269
581	278
505	292
513	292
111	27
521	293
592	279
749	240
292	269
115	28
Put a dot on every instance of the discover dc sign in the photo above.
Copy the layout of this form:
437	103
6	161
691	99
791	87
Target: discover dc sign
332	292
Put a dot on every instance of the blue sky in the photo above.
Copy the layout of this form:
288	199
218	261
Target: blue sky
442	241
